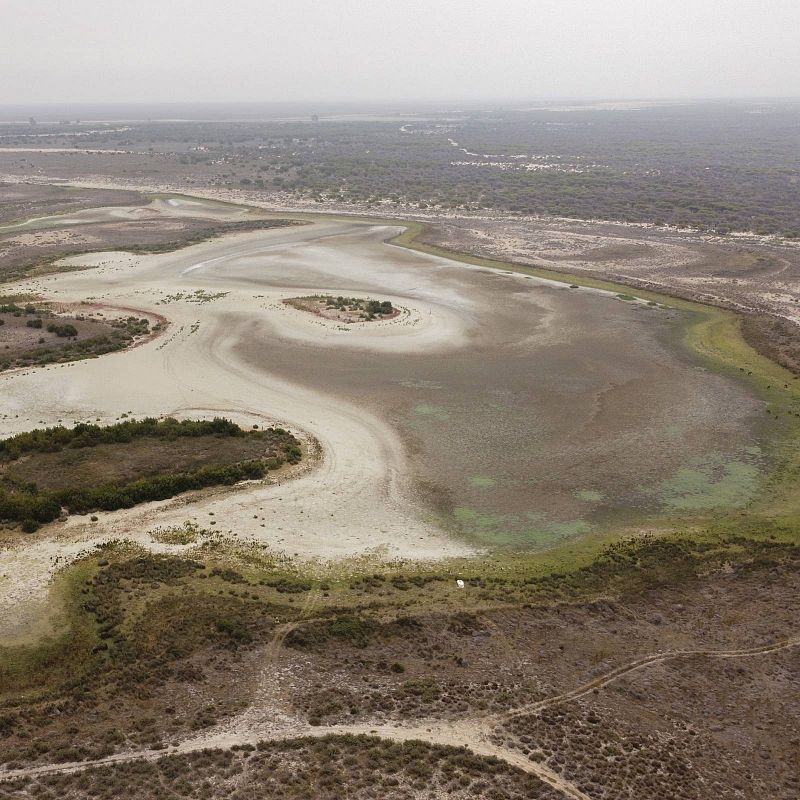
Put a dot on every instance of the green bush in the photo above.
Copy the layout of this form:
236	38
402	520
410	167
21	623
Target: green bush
62	330
26	503
50	440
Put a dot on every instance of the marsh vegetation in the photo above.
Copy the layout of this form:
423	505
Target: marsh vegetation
90	467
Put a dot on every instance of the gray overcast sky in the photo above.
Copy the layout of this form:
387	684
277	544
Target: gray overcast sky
270	50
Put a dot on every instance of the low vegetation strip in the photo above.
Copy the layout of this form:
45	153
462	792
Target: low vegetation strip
48	440
45	471
33	336
153	640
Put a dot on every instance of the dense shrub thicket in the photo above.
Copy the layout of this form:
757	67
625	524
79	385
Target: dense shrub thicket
357	304
62	329
51	440
32	507
46	506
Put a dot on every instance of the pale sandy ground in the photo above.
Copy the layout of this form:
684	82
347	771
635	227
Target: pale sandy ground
679	262
353	500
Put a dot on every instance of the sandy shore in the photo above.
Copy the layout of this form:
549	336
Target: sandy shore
354	500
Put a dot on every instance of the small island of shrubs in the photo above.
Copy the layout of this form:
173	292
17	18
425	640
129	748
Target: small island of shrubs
48	471
24	339
344	309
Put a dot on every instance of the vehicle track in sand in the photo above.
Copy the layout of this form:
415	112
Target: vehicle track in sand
641	663
474	733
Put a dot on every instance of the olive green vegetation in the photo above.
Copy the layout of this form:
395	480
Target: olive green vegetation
32	504
130	617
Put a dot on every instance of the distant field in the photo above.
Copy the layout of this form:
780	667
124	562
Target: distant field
725	166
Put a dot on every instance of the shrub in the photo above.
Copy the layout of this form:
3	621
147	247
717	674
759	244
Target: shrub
23	503
62	330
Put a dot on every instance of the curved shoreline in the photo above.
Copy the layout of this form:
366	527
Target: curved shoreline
364	451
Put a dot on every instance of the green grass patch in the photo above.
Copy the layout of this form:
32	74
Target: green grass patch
431	411
699	489
482	481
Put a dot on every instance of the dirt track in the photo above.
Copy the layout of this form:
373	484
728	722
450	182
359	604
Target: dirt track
473	733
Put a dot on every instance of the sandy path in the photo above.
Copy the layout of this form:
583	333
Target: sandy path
475	733
355	500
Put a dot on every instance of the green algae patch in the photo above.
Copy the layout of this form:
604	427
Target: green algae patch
709	487
546	531
477	521
590	495
482	481
535	529
430	411
567	529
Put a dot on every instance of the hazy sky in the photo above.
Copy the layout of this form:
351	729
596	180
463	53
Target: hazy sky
279	50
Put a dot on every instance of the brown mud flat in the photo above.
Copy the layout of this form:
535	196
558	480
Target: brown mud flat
757	278
567	407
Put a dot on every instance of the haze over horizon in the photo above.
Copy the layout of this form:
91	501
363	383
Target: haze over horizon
91	51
